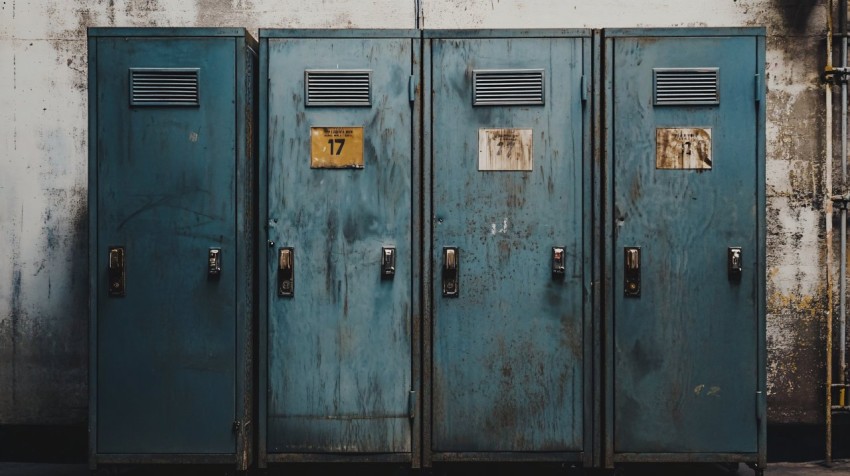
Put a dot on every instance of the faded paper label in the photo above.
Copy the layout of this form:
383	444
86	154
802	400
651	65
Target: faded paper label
505	149
336	147
683	148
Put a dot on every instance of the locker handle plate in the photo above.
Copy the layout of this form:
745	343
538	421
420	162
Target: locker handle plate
214	262
286	272
387	262
450	271
734	262
558	261
631	275
116	271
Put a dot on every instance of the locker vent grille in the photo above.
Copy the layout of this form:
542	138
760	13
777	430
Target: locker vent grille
343	87
686	87
164	87
507	87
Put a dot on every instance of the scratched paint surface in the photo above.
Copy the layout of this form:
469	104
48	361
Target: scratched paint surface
685	350
339	351
508	353
797	282
43	175
43	180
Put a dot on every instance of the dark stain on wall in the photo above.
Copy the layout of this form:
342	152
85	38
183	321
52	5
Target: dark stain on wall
15	316
796	253
45	363
9	325
44	369
795	14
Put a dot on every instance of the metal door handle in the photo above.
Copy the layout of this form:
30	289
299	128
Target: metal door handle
450	271
387	262
734	262
631	259
286	272
116	271
214	262
558	261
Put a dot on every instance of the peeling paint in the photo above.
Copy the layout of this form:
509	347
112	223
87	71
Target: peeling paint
44	145
501	230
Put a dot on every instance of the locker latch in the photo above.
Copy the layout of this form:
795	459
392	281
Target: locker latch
734	262
558	265
632	271
450	271
286	272
387	262
116	271
214	262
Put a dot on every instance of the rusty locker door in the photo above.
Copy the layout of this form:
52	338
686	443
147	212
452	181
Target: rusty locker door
171	244
686	218
337	335
509	255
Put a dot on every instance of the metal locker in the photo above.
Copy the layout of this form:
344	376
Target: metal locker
508	335
171	247
339	327
685	254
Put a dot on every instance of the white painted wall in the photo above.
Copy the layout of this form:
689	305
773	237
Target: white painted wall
43	163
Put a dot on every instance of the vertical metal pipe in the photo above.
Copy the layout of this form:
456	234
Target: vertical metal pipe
842	333
829	233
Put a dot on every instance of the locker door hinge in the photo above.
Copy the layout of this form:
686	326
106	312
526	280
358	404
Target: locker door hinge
759	88
760	405
411	88
584	92
411	404
239	427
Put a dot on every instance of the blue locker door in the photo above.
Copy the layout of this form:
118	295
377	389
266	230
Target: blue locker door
166	178
685	190
510	347
339	348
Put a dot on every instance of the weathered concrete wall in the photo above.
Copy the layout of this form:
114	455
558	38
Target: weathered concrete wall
43	157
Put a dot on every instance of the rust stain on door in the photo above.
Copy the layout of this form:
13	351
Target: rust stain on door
683	148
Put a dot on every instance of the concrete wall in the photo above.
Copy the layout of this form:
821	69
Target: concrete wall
43	163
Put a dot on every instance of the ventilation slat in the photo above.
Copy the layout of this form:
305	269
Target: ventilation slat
507	81
338	80
686	87
164	87
144	89
693	82
338	87
512	91
336	84
142	78
177	77
507	87
686	92
339	94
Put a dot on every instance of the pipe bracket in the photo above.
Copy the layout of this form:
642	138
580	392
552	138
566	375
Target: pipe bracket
835	75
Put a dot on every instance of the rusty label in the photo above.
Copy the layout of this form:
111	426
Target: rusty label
683	148
336	147
504	149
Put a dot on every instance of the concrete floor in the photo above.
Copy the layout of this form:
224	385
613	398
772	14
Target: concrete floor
782	469
840	468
